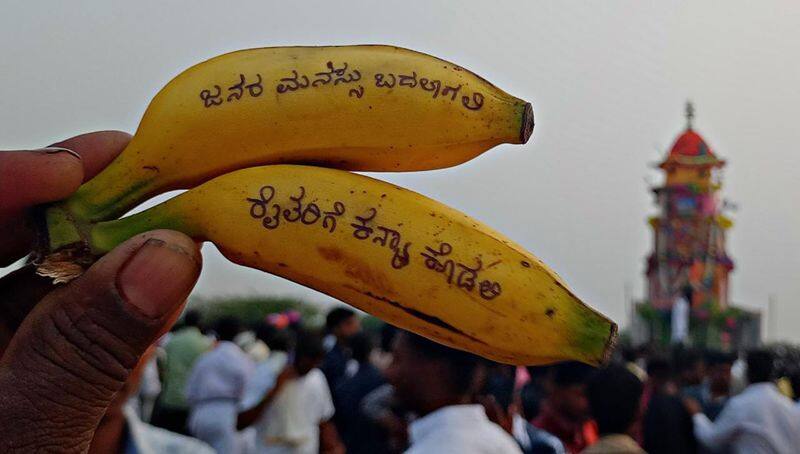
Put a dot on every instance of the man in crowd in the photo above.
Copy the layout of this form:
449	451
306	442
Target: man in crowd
690	365
565	411
631	357
182	350
358	435
341	324
503	408
385	414
534	391
715	389
214	388
614	396
667	426
436	383
291	408
759	420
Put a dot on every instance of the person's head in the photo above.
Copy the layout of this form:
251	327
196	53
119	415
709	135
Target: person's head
264	332
794	380
760	364
388	332
499	383
530	399
691	367
308	351
659	368
719	365
614	394
275	339
227	328
342	323
428	376
568	389
628	354
361	346
536	390
659	372
541	377
687	293
192	318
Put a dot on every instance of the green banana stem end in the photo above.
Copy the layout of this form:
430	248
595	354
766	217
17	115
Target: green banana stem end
599	341
62	230
62	251
67	245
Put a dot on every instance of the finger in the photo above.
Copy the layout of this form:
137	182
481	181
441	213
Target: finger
29	178
94	150
78	346
97	149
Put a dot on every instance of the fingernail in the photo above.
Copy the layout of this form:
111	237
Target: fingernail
158	277
54	150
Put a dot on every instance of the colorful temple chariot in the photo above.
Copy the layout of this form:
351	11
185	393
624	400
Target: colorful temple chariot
688	268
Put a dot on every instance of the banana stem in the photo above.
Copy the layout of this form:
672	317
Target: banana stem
62	230
105	236
89	203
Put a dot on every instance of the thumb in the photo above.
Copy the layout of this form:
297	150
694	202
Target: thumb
77	347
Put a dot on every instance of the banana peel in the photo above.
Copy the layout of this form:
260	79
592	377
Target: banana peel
391	252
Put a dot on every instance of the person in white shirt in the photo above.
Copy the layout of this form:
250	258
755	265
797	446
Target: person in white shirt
680	317
436	383
614	394
289	402
759	420
214	389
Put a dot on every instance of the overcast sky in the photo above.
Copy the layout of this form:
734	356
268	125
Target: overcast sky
608	81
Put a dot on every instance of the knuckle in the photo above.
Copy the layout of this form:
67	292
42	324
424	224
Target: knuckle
80	357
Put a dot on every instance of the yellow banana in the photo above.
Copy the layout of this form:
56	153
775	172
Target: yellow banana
389	251
371	108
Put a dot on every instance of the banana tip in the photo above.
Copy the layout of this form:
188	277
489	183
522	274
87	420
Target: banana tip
611	344
527	124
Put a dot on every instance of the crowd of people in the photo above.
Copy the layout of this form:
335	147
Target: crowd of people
284	388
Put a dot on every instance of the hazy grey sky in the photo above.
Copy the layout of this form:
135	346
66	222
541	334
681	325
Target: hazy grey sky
607	80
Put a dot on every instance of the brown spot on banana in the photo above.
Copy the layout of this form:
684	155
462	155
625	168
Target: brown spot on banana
356	269
330	254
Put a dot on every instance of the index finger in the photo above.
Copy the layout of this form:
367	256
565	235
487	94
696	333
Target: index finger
28	178
31	177
96	149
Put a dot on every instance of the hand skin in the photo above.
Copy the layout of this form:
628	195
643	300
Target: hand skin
68	351
496	414
693	407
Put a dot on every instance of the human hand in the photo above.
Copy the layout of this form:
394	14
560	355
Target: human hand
67	350
289	372
496	413
692	406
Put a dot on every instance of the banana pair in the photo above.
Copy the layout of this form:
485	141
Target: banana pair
306	112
